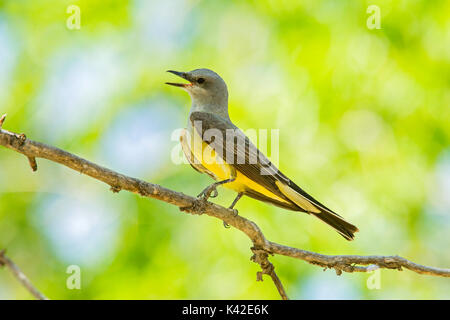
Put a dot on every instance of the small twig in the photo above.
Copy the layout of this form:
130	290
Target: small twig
33	163
5	261
2	119
22	138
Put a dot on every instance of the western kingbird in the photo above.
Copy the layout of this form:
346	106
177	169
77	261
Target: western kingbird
215	146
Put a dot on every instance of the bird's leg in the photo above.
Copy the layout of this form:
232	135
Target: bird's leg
239	196
211	191
205	195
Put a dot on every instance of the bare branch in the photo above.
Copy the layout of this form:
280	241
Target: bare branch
117	182
349	263
5	261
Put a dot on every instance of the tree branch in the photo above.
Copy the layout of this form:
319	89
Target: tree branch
117	182
5	261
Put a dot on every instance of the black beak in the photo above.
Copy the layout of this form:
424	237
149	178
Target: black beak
181	75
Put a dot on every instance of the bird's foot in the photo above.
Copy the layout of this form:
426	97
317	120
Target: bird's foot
236	213
208	192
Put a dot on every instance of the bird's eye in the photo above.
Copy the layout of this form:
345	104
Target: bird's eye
200	80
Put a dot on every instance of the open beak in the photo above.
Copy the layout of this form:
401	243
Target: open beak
181	75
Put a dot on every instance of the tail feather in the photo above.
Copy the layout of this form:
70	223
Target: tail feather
310	205
344	228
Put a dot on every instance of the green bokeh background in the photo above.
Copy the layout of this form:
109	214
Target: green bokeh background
364	123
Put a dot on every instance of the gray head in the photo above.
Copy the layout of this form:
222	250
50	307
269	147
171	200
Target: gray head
207	89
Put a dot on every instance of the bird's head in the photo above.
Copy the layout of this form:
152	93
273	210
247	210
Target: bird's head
205	87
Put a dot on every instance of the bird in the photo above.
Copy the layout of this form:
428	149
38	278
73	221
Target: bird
213	145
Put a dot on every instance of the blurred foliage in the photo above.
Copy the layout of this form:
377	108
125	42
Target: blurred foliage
364	127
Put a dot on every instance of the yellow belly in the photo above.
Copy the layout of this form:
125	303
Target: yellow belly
223	171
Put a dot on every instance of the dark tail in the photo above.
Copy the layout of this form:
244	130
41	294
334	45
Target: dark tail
344	228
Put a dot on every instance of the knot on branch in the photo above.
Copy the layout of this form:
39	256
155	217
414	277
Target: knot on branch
115	189
343	267
260	256
141	189
22	138
198	207
338	266
392	262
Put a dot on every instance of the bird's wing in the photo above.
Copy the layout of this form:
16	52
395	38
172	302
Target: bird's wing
248	160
